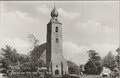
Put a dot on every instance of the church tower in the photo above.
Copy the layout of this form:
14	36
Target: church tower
55	59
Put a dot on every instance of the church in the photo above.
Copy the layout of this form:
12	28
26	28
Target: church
53	48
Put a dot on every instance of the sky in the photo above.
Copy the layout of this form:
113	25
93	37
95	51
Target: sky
87	25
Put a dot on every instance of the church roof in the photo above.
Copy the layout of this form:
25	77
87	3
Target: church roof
37	51
118	49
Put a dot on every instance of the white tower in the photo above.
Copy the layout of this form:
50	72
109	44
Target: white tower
55	59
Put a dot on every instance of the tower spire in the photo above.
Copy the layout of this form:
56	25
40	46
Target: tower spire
54	13
54	4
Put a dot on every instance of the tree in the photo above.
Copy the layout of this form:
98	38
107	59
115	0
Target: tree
36	52
72	67
33	40
10	55
93	66
109	61
23	59
118	61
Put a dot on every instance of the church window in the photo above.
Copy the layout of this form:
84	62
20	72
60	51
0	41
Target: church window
56	72
56	29
57	41
55	19
56	65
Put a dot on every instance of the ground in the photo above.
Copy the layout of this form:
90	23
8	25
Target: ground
87	76
92	76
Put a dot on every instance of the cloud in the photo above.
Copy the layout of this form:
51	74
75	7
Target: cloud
79	55
80	36
91	32
69	15
16	19
18	24
75	53
103	49
43	9
17	16
94	26
20	45
14	27
89	35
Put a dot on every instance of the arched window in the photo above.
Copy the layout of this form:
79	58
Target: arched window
56	72
57	41
56	29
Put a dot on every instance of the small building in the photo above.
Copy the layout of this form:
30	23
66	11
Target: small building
105	72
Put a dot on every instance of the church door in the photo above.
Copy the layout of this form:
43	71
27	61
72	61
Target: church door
56	72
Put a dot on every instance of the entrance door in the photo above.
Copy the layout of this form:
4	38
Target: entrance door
56	72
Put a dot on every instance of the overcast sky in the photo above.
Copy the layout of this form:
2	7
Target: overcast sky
86	25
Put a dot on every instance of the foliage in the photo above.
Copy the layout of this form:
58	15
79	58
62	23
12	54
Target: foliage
118	59
29	66
25	62
72	68
12	58
37	51
93	66
33	40
23	59
109	61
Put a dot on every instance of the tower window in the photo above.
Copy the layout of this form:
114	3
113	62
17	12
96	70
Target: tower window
56	65
57	41
56	29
